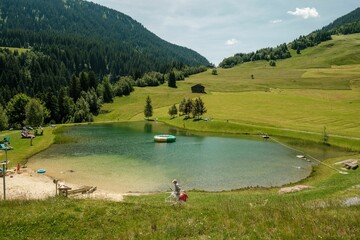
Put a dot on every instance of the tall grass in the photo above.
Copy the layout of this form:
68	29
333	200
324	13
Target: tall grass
236	215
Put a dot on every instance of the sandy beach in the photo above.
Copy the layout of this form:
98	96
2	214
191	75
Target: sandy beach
27	184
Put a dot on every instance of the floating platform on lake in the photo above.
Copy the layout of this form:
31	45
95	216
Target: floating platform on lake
265	136
164	138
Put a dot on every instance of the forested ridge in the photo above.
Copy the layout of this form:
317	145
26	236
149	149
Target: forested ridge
347	24
269	54
65	51
87	35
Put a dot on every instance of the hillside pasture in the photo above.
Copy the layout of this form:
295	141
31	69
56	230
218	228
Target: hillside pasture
330	65
132	107
296	95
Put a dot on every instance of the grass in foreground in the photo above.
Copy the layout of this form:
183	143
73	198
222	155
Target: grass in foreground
247	214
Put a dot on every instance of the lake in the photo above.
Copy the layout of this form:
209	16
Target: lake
123	157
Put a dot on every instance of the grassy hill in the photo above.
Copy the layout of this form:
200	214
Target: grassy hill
299	97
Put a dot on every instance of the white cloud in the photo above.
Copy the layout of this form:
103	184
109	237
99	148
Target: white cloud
276	21
305	12
231	42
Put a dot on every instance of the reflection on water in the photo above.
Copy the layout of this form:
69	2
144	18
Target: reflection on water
148	127
123	157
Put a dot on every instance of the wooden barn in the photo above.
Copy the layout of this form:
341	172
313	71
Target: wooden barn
198	88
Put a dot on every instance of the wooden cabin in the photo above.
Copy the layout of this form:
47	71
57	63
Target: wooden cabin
198	88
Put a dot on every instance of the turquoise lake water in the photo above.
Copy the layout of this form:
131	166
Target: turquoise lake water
123	157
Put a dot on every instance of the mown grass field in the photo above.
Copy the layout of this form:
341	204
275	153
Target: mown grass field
297	99
22	148
303	94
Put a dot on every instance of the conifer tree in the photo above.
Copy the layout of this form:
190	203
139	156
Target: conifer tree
108	91
148	111
84	81
92	80
75	88
3	119
172	80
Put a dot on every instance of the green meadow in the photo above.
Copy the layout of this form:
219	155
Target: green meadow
297	99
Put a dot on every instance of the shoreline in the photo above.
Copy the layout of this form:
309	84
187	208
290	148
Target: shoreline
27	184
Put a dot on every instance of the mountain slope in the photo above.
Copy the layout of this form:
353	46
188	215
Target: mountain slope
349	18
334	65
91	36
347	24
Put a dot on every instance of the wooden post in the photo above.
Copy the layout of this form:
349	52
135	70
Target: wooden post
6	159
4	173
56	186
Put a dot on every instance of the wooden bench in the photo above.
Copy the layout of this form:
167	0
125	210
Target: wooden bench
66	191
82	190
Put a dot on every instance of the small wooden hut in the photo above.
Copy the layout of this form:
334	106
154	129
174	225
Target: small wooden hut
198	88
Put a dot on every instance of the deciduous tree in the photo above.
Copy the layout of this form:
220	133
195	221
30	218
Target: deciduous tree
198	108
35	113
82	111
188	107
16	110
182	106
173	111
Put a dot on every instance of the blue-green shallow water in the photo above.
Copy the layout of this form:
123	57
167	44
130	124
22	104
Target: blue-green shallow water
124	157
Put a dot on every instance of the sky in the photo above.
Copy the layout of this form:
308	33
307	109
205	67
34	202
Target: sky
221	28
